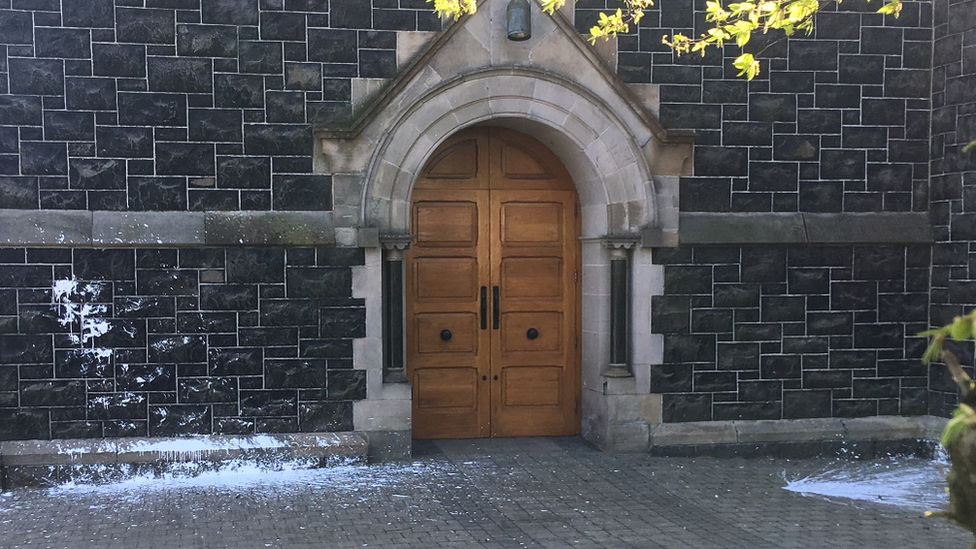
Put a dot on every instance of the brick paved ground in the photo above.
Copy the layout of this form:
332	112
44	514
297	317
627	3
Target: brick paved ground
551	493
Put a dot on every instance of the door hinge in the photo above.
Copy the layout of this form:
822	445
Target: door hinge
575	276
576	408
576	210
575	341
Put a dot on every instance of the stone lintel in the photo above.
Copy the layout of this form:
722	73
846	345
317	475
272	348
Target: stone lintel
147	229
804	228
270	229
105	229
45	228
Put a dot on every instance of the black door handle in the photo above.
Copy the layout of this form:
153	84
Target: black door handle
532	333
484	307
446	335
494	307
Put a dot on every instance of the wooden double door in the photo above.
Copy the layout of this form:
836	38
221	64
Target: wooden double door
492	295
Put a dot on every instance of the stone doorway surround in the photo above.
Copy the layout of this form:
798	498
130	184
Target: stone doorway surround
556	88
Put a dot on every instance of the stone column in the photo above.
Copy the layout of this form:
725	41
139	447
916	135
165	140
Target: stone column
619	305
394	363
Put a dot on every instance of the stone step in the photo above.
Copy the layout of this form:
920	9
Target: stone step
54	462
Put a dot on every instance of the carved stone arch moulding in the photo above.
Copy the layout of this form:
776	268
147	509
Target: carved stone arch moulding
612	170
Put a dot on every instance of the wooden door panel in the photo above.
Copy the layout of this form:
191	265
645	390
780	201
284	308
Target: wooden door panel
446	278
463	337
525	223
548	325
449	402
532	386
535	277
443	223
442	388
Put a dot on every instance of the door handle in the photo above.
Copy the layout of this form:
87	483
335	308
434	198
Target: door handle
446	335
484	307
494	307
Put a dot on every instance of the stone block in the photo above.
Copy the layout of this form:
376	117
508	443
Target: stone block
690	116
332	46
255	265
693	433
20	227
182	74
104	264
43	158
208	40
152	109
260	57
185	159
127	142
797	430
61	43
327	348
842	164
326	416
230	12
772	107
818	121
93	13
909	83
16	27
285	312
85	94
837	96
881	40
18	193
153	26
157	193
149	228
270	228
69	126
302	192
346	385
807	404
862	69
278	139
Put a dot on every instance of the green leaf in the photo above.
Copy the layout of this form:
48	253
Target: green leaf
969	147
962	328
962	418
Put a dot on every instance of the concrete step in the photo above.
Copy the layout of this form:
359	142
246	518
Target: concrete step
53	462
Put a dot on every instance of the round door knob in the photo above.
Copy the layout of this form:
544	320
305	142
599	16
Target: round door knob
445	335
532	333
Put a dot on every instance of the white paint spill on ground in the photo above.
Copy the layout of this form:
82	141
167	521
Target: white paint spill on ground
246	475
911	483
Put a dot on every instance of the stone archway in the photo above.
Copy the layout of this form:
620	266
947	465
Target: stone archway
625	167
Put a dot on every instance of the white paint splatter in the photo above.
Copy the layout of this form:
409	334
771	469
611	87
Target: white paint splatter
75	306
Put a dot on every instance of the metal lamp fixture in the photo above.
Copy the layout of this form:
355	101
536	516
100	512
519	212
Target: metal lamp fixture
518	20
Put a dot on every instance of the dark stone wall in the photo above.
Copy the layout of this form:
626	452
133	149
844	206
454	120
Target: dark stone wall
182	105
953	210
200	341
791	332
836	122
